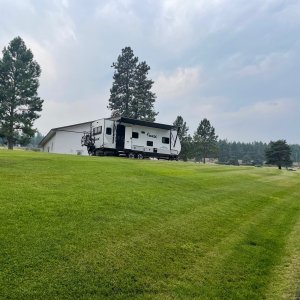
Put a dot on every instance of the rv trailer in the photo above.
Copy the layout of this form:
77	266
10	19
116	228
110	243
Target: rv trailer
132	138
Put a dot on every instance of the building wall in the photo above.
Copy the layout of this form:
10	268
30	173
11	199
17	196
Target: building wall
49	146
68	140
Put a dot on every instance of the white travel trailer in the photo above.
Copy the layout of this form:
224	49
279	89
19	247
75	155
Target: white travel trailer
132	138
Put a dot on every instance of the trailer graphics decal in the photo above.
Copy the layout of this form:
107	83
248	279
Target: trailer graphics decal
152	135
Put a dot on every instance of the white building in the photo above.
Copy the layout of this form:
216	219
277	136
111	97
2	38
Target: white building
66	140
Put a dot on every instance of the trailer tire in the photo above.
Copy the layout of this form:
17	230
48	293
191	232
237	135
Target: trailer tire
140	156
131	155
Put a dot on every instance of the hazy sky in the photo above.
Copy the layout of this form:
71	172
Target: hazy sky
235	62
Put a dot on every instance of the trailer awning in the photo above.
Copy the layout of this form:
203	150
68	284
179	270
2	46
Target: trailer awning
143	123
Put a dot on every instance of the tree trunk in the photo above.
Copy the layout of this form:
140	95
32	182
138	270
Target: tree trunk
10	143
204	160
279	167
127	96
10	138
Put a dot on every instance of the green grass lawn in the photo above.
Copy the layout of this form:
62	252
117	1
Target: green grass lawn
77	227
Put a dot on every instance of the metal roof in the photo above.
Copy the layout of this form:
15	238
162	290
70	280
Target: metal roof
52	132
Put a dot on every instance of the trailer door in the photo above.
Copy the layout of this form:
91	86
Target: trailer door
120	137
128	137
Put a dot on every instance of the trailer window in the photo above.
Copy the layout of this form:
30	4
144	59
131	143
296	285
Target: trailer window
135	135
97	130
108	130
150	143
166	140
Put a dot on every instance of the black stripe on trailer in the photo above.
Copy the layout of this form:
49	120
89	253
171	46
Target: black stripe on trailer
144	123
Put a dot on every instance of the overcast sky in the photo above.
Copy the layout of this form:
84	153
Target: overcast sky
235	62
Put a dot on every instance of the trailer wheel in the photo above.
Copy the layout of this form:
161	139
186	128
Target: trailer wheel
131	155
140	156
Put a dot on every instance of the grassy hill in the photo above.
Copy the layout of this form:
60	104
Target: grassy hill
110	228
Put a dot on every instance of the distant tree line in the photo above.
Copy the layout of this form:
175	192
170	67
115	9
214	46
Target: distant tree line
205	144
248	153
32	142
295	153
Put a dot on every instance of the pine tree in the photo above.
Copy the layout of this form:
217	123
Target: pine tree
121	93
130	95
205	140
279	153
143	100
19	101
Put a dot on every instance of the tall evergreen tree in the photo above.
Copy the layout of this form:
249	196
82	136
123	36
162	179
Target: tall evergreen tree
19	101
205	140
143	98
121	93
279	153
131	95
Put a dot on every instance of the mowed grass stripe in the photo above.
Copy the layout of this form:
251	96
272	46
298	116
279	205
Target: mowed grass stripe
286	276
122	229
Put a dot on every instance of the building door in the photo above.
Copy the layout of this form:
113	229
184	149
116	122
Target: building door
128	137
